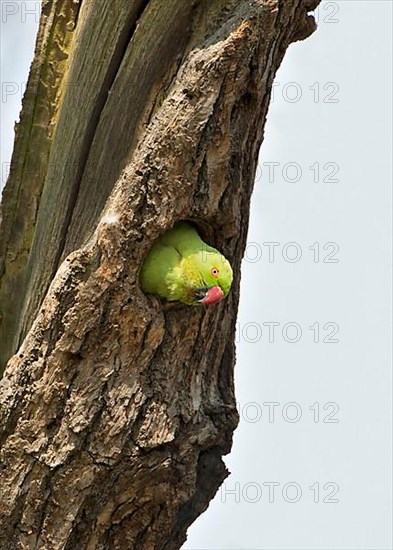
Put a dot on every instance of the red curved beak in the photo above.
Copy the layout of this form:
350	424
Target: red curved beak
214	294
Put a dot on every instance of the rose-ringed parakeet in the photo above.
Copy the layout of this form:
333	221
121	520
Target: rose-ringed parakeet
180	266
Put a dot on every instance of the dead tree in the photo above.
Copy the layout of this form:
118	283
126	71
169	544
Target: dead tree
116	408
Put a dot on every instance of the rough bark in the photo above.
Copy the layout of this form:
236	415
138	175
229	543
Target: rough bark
117	408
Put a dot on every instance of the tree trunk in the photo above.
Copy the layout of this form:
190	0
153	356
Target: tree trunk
117	408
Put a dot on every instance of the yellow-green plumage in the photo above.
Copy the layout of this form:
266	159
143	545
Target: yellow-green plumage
180	266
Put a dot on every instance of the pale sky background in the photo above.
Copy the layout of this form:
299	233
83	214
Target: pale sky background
331	111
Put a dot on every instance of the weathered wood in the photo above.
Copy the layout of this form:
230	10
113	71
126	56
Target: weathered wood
33	139
99	48
117	409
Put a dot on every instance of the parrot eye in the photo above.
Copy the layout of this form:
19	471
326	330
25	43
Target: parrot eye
215	271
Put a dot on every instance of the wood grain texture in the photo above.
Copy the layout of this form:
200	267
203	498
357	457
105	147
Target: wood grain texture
100	41
29	164
117	408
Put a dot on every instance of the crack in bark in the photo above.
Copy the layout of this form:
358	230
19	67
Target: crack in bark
106	86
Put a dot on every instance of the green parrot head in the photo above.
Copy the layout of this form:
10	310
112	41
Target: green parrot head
181	267
207	275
